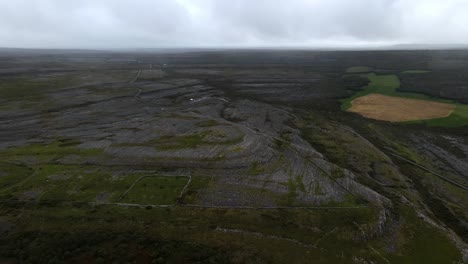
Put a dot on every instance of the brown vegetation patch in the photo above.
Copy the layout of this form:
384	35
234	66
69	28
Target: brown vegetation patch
397	109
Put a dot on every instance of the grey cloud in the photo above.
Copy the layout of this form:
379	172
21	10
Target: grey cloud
179	23
302	20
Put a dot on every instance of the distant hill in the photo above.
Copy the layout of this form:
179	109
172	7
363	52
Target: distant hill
428	46
4	50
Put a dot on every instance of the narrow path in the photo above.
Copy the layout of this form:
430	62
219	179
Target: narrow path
131	83
179	199
181	194
194	206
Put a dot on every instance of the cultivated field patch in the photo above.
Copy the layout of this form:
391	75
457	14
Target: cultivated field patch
397	109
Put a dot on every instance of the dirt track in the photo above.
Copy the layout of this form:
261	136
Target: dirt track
397	109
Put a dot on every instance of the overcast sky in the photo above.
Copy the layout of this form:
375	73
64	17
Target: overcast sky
230	23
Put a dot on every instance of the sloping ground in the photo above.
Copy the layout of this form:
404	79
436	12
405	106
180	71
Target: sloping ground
267	182
397	109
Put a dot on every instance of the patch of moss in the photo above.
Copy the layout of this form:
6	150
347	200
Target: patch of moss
191	141
208	123
237	148
177	142
11	174
45	152
337	173
256	169
318	189
300	182
197	184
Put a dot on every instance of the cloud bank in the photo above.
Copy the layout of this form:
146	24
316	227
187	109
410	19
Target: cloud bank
230	23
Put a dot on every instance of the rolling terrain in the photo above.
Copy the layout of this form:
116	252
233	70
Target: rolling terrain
231	157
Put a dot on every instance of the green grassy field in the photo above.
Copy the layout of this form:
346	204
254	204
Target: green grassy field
250	236
382	84
12	174
44	179
48	182
48	151
359	69
388	85
156	190
415	235
458	118
36	87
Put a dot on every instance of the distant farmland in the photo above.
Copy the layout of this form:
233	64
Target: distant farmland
398	109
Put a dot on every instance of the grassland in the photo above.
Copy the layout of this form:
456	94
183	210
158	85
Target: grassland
197	184
256	236
12	173
37	86
382	84
61	202
44	178
458	118
388	85
359	69
156	190
48	151
415	236
49	182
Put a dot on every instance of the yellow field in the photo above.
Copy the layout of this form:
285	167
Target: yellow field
397	109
